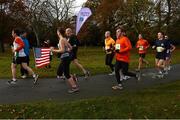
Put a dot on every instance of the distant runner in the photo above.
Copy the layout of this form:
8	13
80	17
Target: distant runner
161	47
109	49
142	46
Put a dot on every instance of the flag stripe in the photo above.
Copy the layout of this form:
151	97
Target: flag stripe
39	59
42	61
42	64
42	57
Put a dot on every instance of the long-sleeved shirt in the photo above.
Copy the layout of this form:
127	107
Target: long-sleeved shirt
19	47
142	45
123	47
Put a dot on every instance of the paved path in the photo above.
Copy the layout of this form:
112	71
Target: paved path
53	89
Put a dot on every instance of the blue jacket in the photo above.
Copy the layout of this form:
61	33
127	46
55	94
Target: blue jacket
26	45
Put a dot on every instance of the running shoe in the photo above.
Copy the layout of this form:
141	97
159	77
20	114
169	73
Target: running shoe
113	73
12	82
87	74
117	87
73	90
35	78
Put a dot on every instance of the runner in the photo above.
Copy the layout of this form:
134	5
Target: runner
109	48
161	47
19	57
122	47
142	46
64	49
169	51
24	73
72	39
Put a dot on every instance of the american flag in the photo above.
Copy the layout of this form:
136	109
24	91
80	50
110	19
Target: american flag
42	57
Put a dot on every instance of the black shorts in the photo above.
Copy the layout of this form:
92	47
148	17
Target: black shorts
168	55
161	56
50	57
73	54
142	55
19	60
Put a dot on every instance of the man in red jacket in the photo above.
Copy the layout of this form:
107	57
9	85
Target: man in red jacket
122	47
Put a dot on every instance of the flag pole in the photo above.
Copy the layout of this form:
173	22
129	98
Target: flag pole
34	58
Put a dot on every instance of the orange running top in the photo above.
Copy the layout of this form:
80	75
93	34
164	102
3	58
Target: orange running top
109	45
123	46
142	45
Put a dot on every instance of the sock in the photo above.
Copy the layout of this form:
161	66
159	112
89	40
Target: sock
34	75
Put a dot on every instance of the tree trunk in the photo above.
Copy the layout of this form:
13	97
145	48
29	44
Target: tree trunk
2	49
37	37
168	18
160	17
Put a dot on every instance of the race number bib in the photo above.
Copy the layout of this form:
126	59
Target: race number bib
159	49
141	48
107	47
118	46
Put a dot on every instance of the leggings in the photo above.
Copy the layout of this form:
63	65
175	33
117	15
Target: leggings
120	65
64	68
108	60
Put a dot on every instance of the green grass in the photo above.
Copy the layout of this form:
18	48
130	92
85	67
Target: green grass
92	58
158	102
162	101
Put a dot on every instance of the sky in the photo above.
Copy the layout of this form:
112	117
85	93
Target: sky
79	3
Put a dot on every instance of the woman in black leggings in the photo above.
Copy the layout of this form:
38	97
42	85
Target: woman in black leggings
64	49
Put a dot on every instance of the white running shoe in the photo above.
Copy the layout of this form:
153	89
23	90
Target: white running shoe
35	78
73	90
113	73
117	87
126	77
169	68
23	76
160	72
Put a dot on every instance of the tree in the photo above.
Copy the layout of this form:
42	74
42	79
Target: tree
9	12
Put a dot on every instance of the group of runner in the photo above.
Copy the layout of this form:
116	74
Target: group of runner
121	50
68	47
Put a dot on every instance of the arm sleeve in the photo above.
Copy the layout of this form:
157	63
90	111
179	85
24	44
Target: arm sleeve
147	44
137	45
20	43
128	46
113	42
154	44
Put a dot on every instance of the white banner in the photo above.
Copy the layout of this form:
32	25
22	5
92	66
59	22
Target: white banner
82	16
